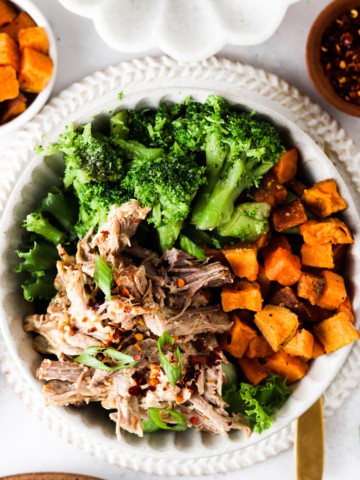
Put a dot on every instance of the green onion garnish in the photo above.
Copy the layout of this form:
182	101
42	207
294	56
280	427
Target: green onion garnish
155	416
88	358
172	371
103	276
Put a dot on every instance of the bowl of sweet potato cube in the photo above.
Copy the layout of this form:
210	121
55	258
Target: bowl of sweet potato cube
28	62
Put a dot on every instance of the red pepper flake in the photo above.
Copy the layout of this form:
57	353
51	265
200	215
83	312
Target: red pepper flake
194	420
92	329
180	282
137	357
136	220
124	292
340	55
104	232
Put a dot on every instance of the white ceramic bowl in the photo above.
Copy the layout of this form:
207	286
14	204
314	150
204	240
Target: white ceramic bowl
34	183
187	30
41	98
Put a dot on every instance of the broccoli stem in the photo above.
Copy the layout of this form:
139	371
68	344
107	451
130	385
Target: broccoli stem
61	208
248	222
168	234
137	151
36	223
220	205
191	248
119	125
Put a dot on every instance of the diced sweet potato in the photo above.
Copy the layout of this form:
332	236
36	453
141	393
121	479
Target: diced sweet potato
336	332
311	286
9	86
243	260
318	349
323	198
283	266
12	108
286	297
285	169
346	307
7	12
35	38
317	314
263	240
9	51
23	20
35	70
288	216
334	292
215	254
320	232
270	191
319	256
339	253
290	368
301	345
242	294
253	371
258	348
277	324
237	339
263	281
275	242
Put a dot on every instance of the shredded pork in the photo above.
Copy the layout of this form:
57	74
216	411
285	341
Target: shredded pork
150	295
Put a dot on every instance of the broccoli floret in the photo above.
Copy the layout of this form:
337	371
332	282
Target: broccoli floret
253	148
119	125
35	222
168	185
248	222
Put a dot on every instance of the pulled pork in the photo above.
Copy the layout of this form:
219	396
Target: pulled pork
151	295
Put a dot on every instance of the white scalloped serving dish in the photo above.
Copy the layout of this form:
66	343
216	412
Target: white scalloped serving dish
145	83
187	30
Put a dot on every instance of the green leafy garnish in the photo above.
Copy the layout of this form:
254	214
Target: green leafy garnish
258	403
172	371
38	257
103	276
156	414
88	358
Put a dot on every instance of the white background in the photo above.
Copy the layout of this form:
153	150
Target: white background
26	445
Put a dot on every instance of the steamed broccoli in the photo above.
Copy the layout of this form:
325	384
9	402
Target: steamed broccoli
248	222
35	222
168	185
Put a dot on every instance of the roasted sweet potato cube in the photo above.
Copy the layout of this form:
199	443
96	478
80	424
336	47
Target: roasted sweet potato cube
263	281
35	70
277	324
243	260
318	349
320	232
323	198
334	292
242	294
286	297
296	187
9	51
35	38
336	332
319	256
9	86
285	169
7	12
339	254
237	339
270	191
283	266
275	242
311	286
23	20
290	368
253	371
301	345
258	348
346	307
288	216
12	108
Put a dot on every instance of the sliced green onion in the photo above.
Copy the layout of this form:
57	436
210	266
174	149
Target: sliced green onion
172	371
103	276
155	416
88	358
149	426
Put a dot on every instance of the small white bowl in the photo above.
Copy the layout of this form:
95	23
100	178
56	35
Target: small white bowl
41	98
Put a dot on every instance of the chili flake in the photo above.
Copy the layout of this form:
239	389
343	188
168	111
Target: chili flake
340	55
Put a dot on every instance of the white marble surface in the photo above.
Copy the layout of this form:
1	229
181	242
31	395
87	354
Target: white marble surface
26	445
